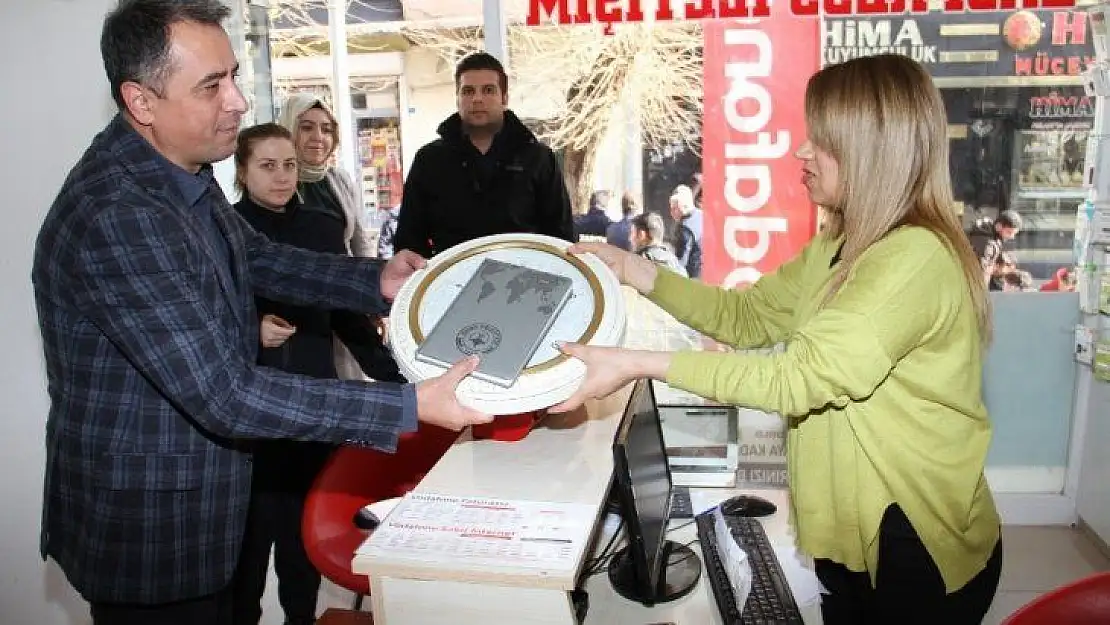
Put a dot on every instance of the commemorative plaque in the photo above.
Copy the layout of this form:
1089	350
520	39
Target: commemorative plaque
591	312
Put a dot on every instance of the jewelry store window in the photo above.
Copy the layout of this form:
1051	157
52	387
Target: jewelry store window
1021	149
1018	117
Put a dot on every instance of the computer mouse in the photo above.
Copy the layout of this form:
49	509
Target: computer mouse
748	506
366	520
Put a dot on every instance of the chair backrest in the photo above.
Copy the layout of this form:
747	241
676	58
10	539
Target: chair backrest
353	478
1085	602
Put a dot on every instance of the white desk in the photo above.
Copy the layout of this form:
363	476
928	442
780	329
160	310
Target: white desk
567	459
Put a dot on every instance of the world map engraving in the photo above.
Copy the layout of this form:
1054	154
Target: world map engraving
518	282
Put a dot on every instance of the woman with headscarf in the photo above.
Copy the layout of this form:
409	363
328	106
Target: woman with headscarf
323	187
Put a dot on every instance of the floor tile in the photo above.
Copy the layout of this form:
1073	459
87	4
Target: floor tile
1039	559
1005	604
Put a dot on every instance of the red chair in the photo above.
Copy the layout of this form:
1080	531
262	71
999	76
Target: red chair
1085	602
352	478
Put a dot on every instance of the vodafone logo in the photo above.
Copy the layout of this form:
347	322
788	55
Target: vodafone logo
748	185
757	213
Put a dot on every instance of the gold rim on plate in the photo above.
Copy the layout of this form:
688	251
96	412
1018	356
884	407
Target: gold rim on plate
595	287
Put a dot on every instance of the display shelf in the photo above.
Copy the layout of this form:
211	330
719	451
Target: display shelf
379	142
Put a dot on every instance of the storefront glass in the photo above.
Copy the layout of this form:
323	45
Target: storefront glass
1019	118
257	66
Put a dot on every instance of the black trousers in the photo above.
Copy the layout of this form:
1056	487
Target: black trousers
283	473
215	609
908	589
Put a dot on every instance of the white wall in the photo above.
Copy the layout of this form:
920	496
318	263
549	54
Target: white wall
56	98
431	98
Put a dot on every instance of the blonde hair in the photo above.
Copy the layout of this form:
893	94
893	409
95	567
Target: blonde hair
883	121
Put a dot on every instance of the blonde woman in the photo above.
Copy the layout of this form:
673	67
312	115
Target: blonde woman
324	188
885	319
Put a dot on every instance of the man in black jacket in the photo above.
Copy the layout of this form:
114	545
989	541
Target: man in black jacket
486	174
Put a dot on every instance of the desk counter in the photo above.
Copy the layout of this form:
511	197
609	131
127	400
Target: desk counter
566	459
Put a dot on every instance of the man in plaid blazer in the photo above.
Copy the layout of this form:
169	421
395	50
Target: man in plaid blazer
145	279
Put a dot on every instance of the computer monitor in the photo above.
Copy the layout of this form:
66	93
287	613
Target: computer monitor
651	569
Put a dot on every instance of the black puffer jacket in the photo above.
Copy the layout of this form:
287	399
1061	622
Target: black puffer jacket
454	193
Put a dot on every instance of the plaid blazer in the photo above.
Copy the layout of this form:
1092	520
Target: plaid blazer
150	343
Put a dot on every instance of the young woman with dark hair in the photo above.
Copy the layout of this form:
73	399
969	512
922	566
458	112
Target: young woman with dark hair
295	339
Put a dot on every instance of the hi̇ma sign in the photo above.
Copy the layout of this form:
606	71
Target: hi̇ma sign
848	39
610	12
974	46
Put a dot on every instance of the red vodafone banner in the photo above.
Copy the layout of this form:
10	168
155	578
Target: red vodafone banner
757	214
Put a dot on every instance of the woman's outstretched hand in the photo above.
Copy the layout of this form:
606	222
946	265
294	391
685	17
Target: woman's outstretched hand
635	271
608	369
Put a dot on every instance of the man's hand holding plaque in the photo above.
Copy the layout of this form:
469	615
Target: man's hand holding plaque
398	270
437	403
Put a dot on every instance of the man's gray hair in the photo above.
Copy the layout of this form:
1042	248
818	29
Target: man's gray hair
684	197
135	40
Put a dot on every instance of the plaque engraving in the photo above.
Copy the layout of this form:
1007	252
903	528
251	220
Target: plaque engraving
478	338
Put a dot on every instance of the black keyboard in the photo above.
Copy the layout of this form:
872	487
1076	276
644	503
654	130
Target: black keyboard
770	601
681	505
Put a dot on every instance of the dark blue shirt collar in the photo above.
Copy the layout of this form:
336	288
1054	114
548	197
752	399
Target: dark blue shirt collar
192	186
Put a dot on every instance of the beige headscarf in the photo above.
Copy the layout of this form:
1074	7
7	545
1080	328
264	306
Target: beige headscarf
295	105
356	237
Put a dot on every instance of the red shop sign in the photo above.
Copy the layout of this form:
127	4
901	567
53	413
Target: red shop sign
610	12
